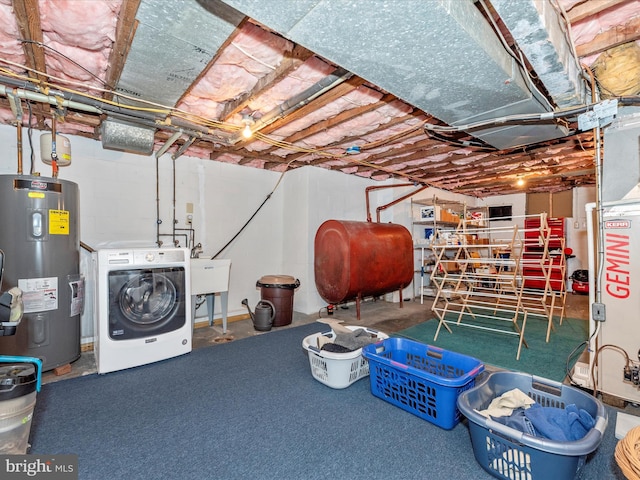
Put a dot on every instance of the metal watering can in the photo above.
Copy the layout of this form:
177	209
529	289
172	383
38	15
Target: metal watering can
265	313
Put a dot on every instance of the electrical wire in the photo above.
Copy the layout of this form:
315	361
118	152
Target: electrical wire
517	119
570	356
459	143
524	119
362	162
152	106
595	363
271	67
254	213
531	86
70	60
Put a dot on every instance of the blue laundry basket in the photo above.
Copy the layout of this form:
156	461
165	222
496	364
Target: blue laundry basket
421	379
507	453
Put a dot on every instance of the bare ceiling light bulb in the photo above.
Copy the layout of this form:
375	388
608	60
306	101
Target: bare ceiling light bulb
246	131
520	182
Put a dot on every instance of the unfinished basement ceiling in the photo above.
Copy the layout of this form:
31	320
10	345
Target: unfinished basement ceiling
410	89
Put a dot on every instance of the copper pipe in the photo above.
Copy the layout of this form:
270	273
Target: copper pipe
19	146
54	153
398	200
382	207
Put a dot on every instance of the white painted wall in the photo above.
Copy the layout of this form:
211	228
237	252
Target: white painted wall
577	229
227	198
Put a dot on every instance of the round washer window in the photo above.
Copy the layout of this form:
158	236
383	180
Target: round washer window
147	298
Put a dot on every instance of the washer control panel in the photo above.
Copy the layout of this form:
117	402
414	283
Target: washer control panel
146	257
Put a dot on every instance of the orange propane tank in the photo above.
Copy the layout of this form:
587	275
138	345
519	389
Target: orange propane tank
361	259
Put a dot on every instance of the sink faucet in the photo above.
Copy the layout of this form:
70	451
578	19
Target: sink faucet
196	251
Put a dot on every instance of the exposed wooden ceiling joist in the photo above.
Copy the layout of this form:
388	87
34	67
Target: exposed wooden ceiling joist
589	8
125	31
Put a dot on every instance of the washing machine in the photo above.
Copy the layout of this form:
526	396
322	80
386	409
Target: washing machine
143	307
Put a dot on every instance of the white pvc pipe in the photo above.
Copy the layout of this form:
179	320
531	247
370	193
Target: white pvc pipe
50	99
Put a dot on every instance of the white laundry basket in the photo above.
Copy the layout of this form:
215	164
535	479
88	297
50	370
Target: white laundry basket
338	370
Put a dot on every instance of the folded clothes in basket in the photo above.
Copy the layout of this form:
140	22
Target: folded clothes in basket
348	342
564	424
517	410
560	424
505	404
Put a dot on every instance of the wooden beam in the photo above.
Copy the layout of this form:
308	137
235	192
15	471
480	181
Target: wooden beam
581	11
213	60
327	97
340	118
618	35
291	61
493	182
125	31
339	91
27	15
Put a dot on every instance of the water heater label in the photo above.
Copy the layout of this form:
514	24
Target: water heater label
76	283
39	294
58	222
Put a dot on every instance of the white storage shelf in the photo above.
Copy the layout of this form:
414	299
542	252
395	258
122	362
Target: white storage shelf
429	217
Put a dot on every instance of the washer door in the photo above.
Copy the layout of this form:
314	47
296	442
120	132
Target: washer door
146	302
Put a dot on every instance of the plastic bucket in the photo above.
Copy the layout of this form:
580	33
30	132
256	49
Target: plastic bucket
279	290
19	383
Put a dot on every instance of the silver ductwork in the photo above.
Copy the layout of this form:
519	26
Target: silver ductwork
542	36
127	137
173	43
441	56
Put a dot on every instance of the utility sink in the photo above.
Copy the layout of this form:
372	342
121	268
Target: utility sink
209	276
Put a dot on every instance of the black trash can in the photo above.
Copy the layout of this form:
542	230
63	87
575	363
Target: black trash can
279	290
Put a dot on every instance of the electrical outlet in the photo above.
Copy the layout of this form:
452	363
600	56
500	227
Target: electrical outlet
598	312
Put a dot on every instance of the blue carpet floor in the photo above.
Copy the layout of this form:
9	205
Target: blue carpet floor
250	409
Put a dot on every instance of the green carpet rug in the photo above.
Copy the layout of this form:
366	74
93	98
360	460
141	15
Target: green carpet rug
548	360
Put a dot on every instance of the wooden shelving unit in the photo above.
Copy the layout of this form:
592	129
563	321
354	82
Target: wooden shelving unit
480	284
